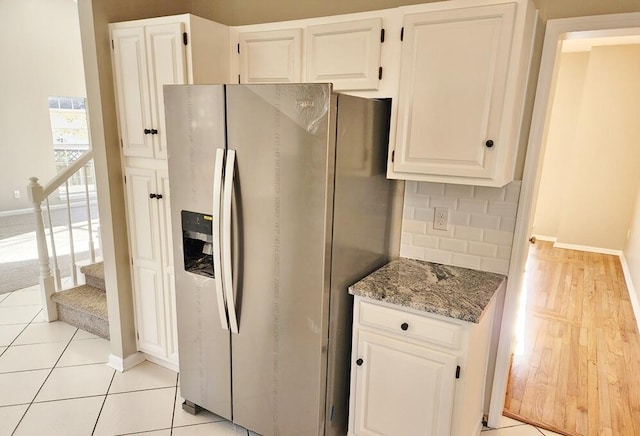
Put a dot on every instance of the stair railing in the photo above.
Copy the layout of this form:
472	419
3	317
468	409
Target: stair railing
50	281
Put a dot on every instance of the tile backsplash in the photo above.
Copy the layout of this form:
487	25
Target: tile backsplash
480	228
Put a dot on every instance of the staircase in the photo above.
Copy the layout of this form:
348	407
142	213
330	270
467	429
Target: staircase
85	306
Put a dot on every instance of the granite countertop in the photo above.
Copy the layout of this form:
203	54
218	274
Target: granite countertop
454	292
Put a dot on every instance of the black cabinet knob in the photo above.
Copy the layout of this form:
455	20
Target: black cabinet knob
147	131
359	362
489	143
159	196
404	326
154	131
153	196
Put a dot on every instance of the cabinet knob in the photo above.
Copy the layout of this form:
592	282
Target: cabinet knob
153	196
158	196
147	131
404	326
154	131
359	362
489	143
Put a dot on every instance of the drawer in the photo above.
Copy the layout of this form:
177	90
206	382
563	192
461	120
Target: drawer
410	325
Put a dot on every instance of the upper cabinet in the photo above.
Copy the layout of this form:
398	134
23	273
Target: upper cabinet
463	77
346	54
148	54
145	58
270	56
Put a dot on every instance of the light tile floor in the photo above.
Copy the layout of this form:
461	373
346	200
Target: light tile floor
54	381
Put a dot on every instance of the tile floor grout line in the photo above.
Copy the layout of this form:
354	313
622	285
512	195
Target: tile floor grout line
106	395
141	390
46	378
175	399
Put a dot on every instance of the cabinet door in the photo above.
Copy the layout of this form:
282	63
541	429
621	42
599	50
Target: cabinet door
167	265
271	57
452	87
345	54
144	237
132	91
166	59
402	388
142	212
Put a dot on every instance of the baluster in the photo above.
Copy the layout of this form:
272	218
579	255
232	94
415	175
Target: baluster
72	251
47	286
54	254
92	251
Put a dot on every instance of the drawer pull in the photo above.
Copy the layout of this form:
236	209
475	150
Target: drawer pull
404	326
359	362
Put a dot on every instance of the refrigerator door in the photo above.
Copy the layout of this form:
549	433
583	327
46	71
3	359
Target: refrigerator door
282	237
195	126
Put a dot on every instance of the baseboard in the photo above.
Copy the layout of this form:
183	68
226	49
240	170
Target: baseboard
633	295
162	362
121	365
546	238
587	248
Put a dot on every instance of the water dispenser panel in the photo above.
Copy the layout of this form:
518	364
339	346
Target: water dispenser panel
197	242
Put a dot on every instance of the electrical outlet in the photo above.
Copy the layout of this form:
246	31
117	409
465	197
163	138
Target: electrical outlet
441	218
16	194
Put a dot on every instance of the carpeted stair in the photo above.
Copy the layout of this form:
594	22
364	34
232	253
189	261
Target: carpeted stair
85	306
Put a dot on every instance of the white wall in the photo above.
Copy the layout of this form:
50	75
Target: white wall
590	177
41	56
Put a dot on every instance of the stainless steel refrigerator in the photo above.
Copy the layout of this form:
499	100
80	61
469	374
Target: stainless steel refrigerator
279	202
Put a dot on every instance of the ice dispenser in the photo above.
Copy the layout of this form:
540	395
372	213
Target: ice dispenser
197	243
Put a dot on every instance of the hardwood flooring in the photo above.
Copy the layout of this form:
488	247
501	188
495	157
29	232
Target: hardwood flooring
579	373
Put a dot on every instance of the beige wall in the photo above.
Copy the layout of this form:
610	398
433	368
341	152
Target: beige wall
560	145
40	46
632	254
590	185
239	12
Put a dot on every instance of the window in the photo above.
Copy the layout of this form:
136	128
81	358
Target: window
70	137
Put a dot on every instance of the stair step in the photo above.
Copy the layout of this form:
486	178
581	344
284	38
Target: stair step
84	307
94	275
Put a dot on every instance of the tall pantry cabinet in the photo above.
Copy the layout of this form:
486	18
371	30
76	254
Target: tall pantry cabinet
148	54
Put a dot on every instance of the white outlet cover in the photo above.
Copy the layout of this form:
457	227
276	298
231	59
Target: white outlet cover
440	218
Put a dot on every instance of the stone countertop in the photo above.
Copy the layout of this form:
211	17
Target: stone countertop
450	291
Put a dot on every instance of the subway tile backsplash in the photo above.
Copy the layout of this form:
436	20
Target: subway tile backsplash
480	230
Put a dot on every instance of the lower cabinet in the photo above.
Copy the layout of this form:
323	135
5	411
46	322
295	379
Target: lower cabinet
415	373
407	389
148	216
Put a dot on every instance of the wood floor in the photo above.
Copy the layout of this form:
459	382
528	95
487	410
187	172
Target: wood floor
579	373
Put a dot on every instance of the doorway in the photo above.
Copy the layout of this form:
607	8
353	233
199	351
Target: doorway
557	31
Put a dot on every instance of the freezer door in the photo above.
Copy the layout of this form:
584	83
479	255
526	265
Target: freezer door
195	129
281	213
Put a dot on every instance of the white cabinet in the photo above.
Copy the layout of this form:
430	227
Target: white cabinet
144	59
462	83
346	54
270	56
408	388
152	261
415	373
148	54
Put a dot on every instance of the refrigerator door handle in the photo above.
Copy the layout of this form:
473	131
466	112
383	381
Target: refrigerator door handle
227	195
217	267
